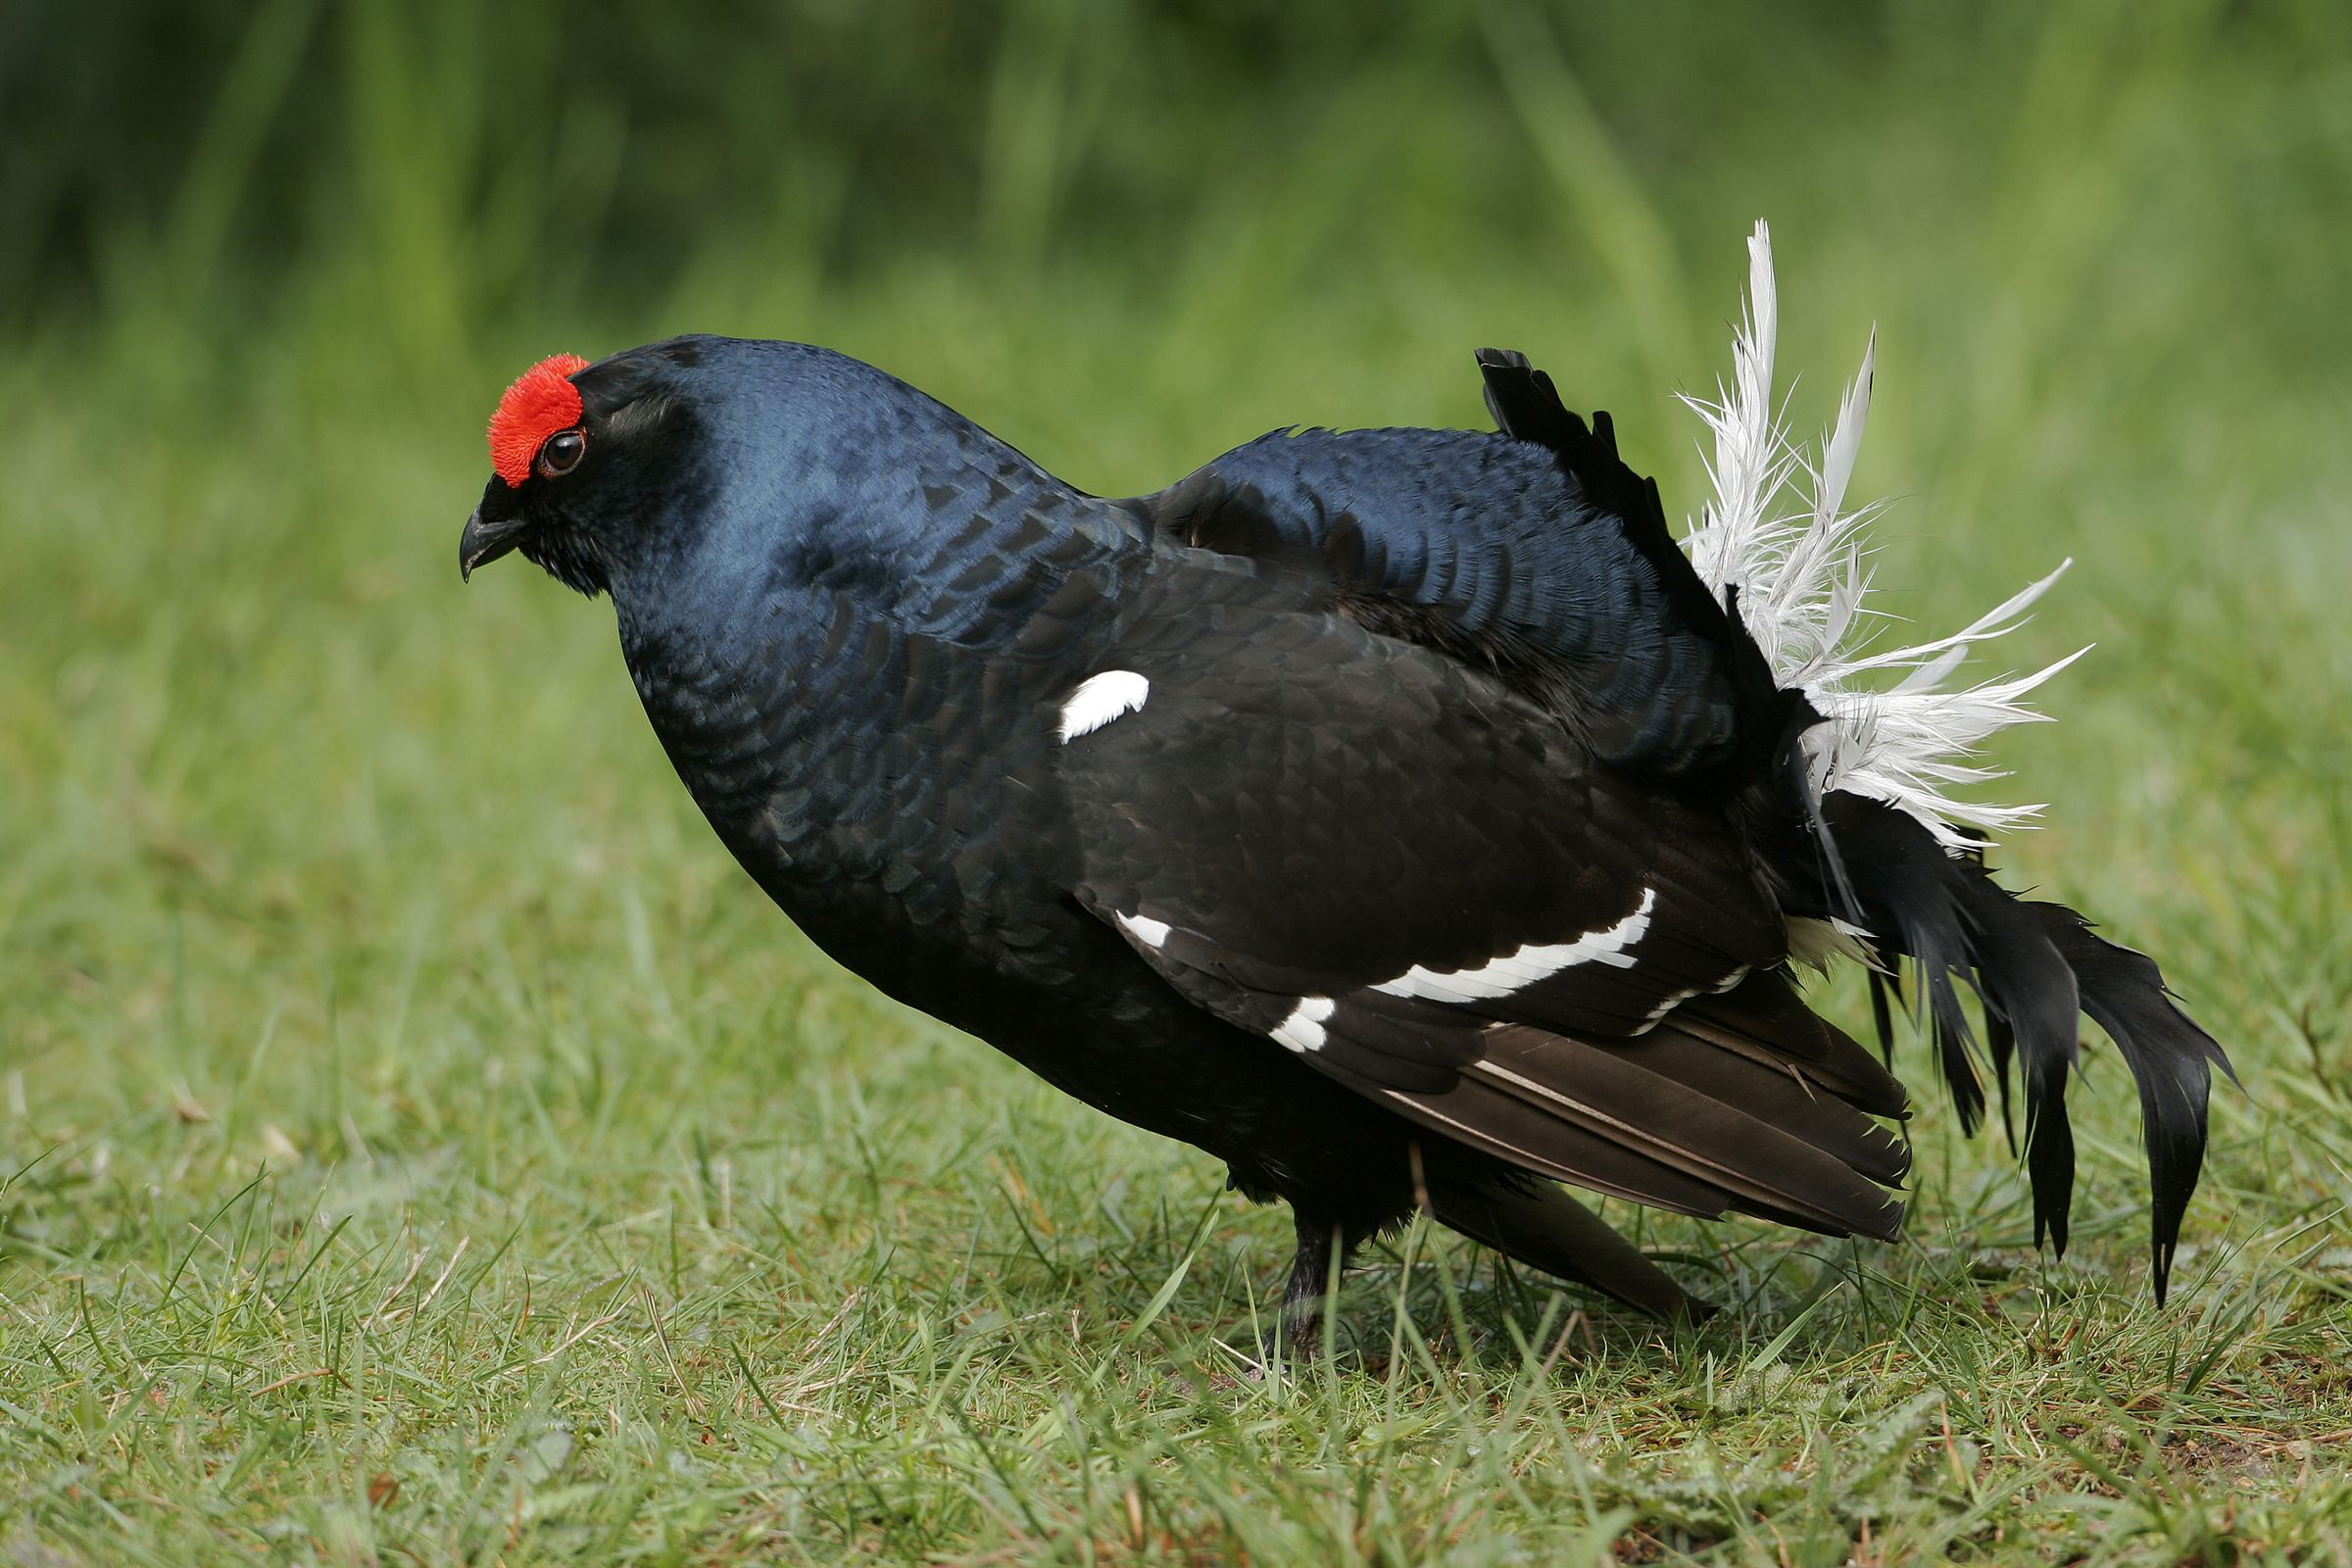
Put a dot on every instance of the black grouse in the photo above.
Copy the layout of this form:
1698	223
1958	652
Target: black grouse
1400	816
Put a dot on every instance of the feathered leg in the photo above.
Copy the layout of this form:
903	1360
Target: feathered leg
1321	1243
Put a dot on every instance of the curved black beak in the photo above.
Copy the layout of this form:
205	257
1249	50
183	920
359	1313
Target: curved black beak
485	539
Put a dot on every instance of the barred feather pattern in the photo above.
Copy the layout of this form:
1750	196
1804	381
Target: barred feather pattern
1779	529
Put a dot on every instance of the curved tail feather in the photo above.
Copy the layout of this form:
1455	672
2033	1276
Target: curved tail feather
2034	966
2171	1058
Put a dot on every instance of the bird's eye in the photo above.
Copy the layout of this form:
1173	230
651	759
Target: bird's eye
561	453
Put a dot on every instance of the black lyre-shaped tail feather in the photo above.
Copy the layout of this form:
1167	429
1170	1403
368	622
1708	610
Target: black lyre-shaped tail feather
2171	1058
2034	966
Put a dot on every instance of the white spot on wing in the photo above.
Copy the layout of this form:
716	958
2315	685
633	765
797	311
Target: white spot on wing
1099	700
1302	1030
1150	932
1524	967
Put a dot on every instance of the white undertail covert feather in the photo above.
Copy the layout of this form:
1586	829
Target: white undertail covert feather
1778	529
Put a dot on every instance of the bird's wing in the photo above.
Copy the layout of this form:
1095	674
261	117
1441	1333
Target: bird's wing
1412	875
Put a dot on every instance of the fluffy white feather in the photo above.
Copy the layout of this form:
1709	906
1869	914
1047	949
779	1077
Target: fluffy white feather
1778	529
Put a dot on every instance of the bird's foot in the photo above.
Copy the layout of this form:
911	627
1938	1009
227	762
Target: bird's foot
1283	1351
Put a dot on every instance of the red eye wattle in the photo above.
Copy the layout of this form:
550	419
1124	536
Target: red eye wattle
541	403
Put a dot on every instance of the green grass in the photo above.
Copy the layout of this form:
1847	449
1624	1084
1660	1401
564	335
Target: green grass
419	1143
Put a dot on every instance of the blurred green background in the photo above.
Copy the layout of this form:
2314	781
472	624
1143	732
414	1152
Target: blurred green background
316	866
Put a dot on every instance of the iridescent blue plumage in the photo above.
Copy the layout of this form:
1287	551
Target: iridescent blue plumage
1507	550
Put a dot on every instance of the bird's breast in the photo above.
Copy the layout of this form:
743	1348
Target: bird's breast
893	794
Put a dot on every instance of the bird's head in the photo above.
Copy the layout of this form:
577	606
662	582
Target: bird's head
585	463
608	475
